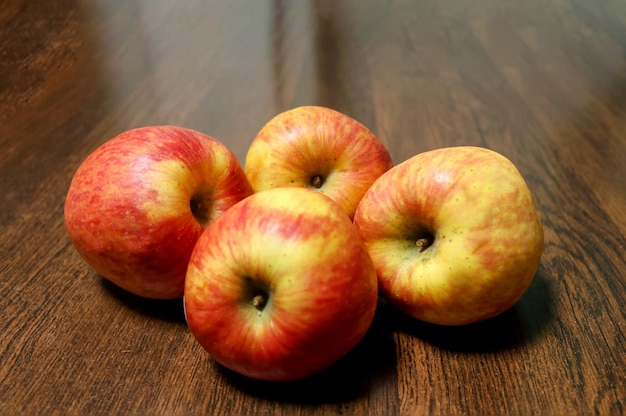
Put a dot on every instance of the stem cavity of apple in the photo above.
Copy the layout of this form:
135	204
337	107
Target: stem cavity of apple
200	206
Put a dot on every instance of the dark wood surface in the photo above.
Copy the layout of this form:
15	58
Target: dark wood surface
541	81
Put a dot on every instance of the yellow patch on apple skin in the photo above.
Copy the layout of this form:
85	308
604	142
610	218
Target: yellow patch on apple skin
174	186
177	183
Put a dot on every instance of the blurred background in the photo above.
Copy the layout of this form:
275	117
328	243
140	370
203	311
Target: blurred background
227	67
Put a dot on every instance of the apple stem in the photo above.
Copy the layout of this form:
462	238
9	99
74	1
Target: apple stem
259	301
423	243
317	181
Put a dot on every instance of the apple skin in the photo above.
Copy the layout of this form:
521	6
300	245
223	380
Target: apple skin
138	203
300	254
475	210
317	148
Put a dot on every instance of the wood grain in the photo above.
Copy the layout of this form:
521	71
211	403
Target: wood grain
542	82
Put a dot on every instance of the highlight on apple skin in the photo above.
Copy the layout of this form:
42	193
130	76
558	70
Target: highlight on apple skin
453	233
138	203
317	148
280	286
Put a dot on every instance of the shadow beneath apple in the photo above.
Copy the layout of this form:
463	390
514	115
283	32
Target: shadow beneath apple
166	310
520	325
371	363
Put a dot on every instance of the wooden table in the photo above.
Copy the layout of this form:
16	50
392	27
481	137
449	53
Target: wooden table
542	82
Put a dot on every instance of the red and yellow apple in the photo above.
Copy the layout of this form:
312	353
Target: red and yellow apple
317	148
453	234
280	286
137	205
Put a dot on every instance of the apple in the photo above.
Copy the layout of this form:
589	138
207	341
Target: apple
453	234
280	286
137	205
317	148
